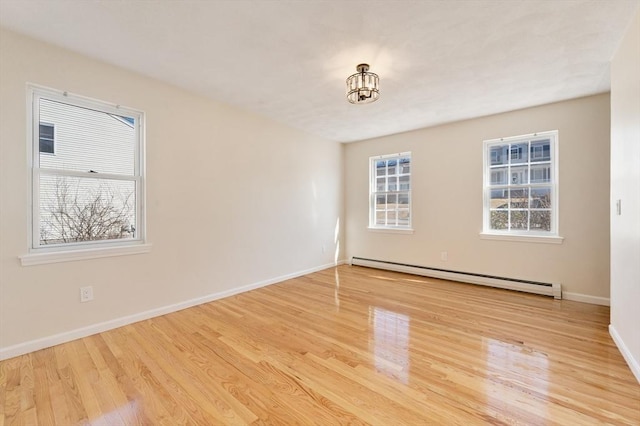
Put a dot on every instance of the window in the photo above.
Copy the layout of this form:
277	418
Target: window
390	191
46	139
90	193
520	185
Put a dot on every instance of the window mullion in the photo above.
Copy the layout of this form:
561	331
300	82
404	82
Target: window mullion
74	173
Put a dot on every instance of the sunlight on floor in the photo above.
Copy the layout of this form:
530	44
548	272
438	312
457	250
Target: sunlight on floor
390	342
127	414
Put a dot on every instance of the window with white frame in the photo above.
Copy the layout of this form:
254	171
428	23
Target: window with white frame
520	185
390	191
90	193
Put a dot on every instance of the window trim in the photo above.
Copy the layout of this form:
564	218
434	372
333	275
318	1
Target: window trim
401	229
552	236
88	249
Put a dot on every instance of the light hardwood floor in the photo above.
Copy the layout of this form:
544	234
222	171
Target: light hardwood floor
348	345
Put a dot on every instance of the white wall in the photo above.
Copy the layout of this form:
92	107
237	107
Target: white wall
233	200
447	199
625	186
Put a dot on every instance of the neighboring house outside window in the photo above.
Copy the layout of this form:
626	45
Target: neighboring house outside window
521	185
390	191
89	194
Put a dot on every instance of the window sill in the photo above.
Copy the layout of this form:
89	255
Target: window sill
73	255
543	239
391	230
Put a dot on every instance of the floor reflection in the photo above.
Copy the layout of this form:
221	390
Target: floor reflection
125	414
516	363
389	342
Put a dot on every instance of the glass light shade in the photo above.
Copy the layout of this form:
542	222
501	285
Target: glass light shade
363	87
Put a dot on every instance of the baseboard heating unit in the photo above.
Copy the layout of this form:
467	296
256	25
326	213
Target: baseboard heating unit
547	289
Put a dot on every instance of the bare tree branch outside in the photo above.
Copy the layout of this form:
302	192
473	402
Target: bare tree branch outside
78	213
526	214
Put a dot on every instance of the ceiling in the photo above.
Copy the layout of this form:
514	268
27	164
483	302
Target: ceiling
438	60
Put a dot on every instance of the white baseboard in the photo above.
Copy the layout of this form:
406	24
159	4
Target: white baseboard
67	336
634	364
585	298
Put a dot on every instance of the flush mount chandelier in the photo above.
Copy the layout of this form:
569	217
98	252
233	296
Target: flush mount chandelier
362	88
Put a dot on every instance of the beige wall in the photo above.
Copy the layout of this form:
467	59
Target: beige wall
625	186
447	198
233	200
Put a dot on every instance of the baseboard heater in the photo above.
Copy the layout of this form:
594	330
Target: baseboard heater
547	289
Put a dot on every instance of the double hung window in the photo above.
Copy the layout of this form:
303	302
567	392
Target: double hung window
520	185
390	191
86	172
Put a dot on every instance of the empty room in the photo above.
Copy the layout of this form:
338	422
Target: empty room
319	212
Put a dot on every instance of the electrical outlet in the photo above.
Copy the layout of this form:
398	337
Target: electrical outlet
444	256
86	293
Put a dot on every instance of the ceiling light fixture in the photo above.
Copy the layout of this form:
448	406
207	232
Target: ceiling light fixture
362	88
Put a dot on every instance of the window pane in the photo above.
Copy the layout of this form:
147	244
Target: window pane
84	209
499	176
519	199
393	183
381	168
499	220
499	198
519	175
540	220
541	198
89	140
380	217
540	173
380	201
391	199
405	165
391	217
498	155
404	183
518	153
519	219
403	199
380	184
541	150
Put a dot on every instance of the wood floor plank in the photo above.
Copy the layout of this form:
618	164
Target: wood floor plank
252	383
183	386
345	345
44	374
152	396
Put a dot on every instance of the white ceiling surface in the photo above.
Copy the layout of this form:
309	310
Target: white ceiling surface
438	61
